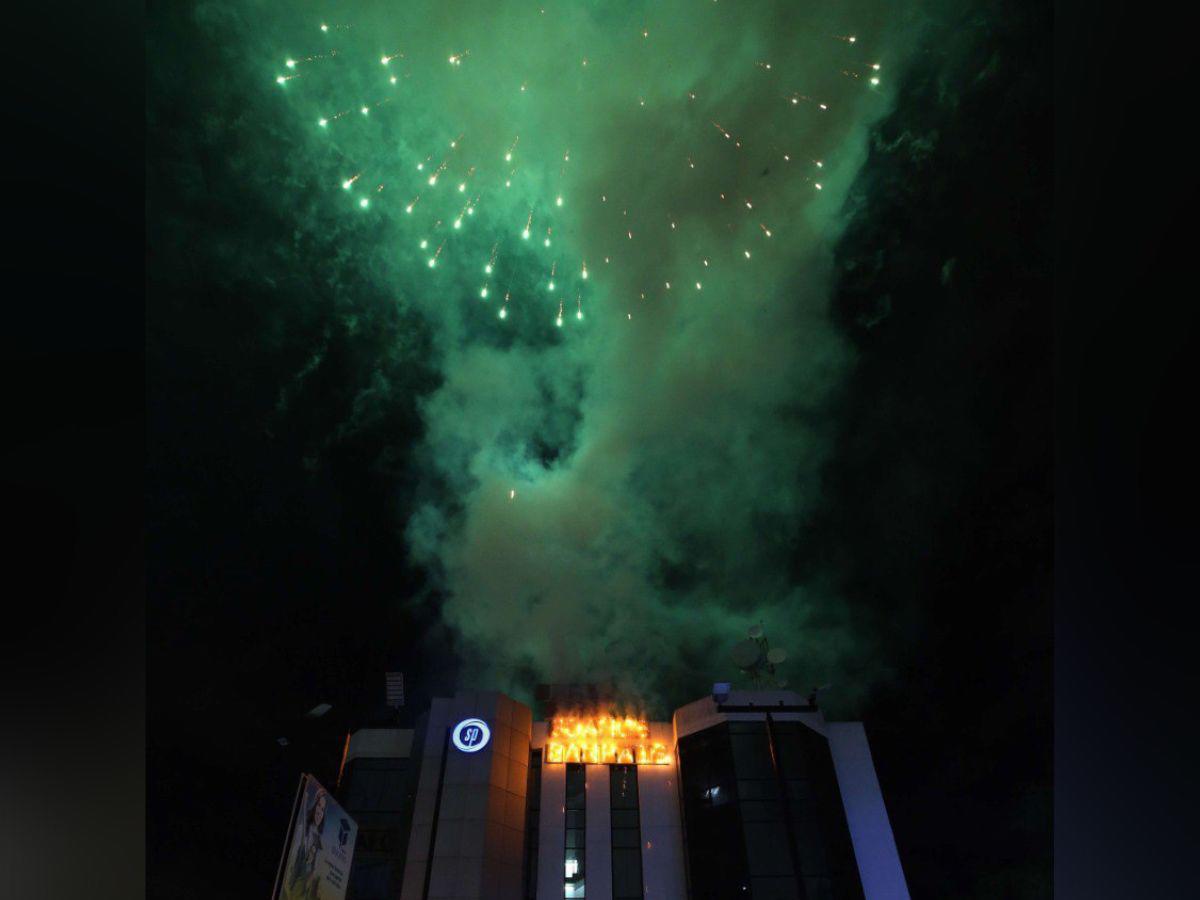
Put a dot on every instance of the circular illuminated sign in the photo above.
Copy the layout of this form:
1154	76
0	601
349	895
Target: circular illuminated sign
471	735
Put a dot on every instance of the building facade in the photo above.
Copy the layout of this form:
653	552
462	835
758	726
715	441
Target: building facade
749	794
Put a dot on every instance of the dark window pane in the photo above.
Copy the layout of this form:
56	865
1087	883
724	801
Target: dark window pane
798	790
757	790
575	818
627	873
775	889
761	811
626	837
767	849
533	791
623	787
624	818
716	849
752	756
576	786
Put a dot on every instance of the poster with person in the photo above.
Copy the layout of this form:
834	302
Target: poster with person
317	857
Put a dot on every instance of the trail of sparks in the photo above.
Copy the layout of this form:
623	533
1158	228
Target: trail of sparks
855	70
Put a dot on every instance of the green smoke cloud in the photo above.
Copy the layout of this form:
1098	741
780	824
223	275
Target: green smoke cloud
620	494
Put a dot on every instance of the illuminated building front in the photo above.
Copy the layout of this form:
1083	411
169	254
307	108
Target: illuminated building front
746	794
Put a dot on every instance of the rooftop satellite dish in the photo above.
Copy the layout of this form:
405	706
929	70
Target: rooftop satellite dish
756	631
776	656
746	654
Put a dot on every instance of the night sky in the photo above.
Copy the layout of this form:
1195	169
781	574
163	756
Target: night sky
805	381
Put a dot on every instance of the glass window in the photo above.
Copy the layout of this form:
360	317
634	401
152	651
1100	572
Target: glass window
576	786
767	849
576	835
627	873
625	820
716	850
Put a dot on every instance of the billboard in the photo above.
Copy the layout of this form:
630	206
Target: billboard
320	847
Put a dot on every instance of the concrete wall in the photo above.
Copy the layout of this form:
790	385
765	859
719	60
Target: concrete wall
663	875
870	831
476	853
702	714
552	831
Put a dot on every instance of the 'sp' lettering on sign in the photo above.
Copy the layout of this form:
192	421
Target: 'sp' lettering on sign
471	735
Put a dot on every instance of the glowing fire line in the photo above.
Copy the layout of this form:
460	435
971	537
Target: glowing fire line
604	739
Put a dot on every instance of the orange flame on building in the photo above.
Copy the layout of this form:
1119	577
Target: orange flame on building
601	739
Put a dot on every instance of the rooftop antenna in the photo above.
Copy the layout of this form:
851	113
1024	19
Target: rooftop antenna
755	658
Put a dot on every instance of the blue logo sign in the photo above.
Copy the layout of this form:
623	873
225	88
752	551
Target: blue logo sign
471	735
